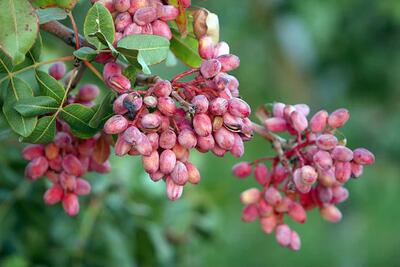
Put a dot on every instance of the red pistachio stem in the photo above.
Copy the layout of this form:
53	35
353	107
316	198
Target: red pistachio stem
75	29
183	74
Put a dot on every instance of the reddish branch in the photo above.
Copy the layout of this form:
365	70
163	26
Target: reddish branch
183	74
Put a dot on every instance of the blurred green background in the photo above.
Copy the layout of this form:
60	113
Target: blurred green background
330	54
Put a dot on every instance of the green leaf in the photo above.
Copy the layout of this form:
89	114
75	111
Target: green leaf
100	36
5	63
50	14
19	28
44	131
85	53
34	106
99	19
186	49
152	48
78	117
171	60
103	110
134	58
36	49
143	64
3	91
67	4
50	86
173	2
18	90
44	3
129	54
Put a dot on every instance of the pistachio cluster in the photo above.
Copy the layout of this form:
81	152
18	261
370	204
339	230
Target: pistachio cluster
310	171
66	160
163	123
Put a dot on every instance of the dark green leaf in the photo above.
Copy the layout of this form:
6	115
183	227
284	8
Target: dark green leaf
130	55
16	91
99	19
3	90
19	28
34	106
186	49
36	49
100	36
44	131
133	57
78	117
152	48
5	63
143	64
85	53
50	86
103	110
49	14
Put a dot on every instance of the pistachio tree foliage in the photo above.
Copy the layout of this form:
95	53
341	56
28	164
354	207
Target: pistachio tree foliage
70	132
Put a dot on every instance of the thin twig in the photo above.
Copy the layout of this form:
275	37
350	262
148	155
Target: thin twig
183	74
189	107
75	29
93	69
277	144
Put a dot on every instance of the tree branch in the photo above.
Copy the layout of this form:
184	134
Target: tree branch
278	144
64	33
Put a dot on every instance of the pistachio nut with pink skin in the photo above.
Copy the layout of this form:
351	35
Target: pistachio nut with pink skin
88	92
174	191
161	28
122	21
228	62
116	124
167	139
58	70
180	173
167	161
71	204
